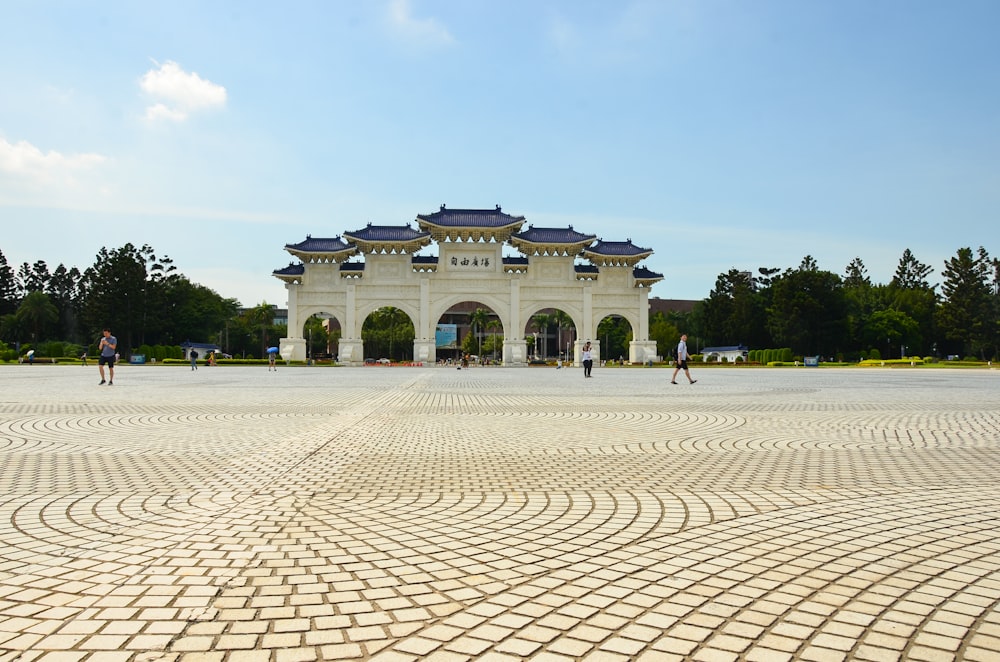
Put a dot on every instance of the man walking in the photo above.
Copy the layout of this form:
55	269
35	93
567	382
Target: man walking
682	360
108	347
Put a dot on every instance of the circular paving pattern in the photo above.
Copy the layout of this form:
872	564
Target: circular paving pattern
235	514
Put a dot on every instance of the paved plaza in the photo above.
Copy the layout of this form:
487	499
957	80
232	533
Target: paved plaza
238	515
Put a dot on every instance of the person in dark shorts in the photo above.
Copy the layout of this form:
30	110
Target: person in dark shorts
682	360
108	349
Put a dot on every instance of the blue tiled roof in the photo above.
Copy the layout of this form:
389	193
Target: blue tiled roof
320	245
424	259
291	270
585	269
470	218
727	348
553	236
513	259
642	273
386	233
622	248
352	266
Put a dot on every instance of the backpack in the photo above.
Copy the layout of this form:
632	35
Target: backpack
194	354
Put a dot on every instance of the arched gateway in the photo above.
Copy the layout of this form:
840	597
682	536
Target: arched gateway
469	266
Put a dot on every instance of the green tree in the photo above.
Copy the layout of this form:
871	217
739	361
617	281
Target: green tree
965	314
856	274
316	335
911	274
477	324
469	344
563	321
63	292
388	333
540	322
910	292
615	333
257	321
188	312
114	293
495	340
808	310
37	314
734	311
861	299
11	328
995	308
893	328
34	277
10	289
664	332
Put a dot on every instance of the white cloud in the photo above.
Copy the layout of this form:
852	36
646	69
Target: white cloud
158	111
178	92
25	159
424	31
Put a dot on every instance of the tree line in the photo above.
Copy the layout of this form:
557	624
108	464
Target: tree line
146	301
816	312
140	296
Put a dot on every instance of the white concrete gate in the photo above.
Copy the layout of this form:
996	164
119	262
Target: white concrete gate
469	266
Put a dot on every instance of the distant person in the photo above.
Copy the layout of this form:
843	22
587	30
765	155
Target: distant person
107	348
272	363
83	358
682	360
588	359
194	359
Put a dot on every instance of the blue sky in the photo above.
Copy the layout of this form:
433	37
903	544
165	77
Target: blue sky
721	134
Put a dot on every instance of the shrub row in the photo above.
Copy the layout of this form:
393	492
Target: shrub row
768	356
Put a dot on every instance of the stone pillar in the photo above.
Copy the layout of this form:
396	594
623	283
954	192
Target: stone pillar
292	349
424	340
294	324
351	350
589	331
641	351
424	351
642	333
514	350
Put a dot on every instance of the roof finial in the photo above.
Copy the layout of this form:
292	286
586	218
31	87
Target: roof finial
442	206
498	207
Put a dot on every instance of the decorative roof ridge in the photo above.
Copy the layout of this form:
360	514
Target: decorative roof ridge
552	235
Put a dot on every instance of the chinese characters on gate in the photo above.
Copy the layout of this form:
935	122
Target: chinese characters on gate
471	262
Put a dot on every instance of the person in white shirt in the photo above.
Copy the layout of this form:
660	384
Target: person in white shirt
682	360
588	360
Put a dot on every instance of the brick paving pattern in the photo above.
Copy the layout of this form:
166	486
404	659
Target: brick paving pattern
241	515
